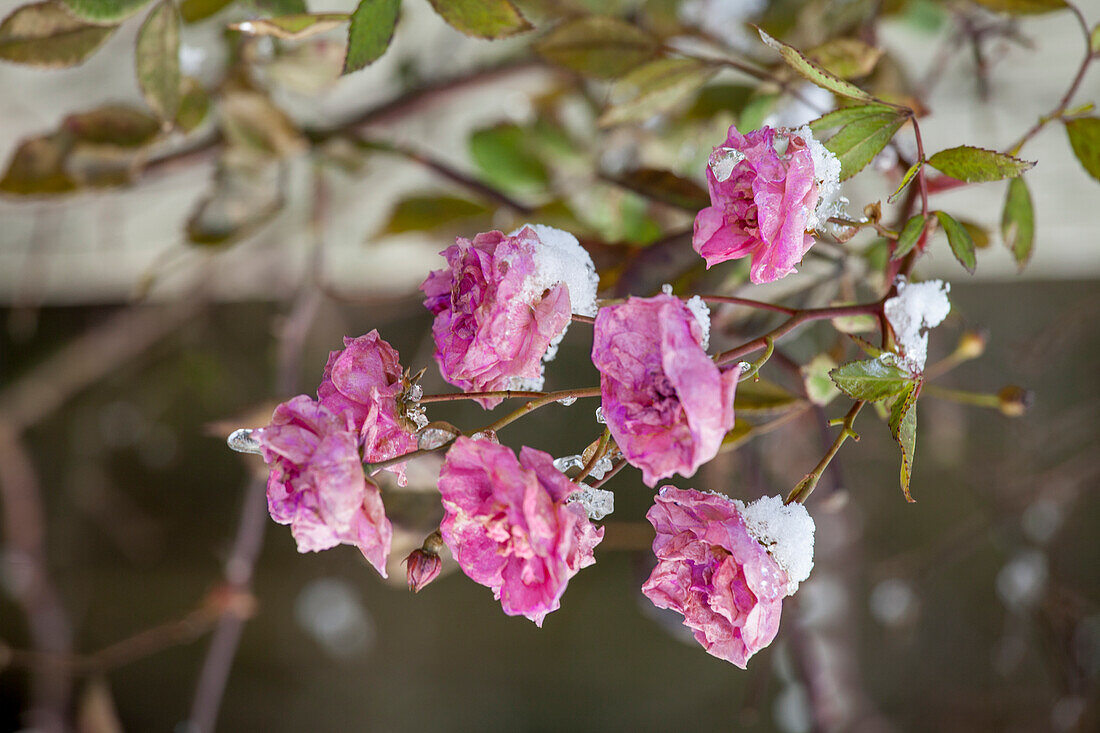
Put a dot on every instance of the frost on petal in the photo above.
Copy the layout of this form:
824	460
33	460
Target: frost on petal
713	572
916	308
316	483
510	527
666	402
786	531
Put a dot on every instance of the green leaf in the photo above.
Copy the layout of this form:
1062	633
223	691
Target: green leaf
740	432
157	60
370	32
847	115
870	379
503	154
425	213
654	88
908	237
797	61
761	397
597	46
815	376
714	99
909	174
104	12
38	167
1018	221
903	426
962	246
113	125
1084	138
975	165
857	143
977	232
846	58
291	27
44	34
482	18
1023	7
666	187
1094	39
194	104
193	11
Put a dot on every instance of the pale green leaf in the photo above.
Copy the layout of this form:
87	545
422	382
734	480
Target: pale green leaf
44	34
870	379
815	376
104	12
1018	221
370	32
1094	39
194	104
281	7
761	397
654	88
292	27
797	61
909	174
975	165
597	46
482	18
1084	138
157	60
962	245
505	157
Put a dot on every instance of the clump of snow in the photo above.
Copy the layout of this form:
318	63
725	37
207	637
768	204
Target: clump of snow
528	384
597	503
562	259
916	308
786	531
701	312
827	176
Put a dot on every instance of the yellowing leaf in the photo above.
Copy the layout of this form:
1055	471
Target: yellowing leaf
903	426
797	61
38	168
654	88
597	46
44	34
846	58
482	18
157	60
292	27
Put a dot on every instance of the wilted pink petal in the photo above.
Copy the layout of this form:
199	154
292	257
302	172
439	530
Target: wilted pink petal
503	302
667	404
509	527
762	203
364	381
713	572
316	482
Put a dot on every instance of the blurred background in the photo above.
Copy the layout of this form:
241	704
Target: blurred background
191	279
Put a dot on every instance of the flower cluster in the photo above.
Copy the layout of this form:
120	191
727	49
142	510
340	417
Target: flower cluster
518	524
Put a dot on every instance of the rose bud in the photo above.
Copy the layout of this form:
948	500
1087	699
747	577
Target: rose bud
423	565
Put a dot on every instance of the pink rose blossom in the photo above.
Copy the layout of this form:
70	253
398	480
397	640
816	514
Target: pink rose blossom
712	571
316	482
509	527
364	381
762	203
667	404
503	302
